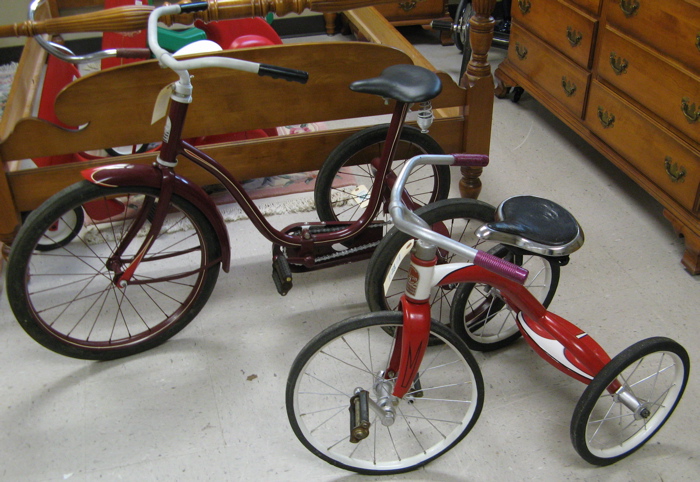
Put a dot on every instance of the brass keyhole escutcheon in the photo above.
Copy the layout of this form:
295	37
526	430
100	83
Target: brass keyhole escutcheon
690	111
569	87
629	7
520	51
573	36
525	6
606	119
675	172
618	64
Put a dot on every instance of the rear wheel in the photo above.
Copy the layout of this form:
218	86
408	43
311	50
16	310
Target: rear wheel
387	271
479	314
346	178
612	421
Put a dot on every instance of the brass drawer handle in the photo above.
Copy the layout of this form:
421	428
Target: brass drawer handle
525	6
675	172
618	64
574	37
408	6
520	51
607	119
569	87
689	110
697	41
629	7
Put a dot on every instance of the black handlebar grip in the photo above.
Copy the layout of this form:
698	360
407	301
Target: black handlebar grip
193	7
290	75
135	53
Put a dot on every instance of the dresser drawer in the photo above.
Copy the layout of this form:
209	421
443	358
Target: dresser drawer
568	30
669	92
591	6
551	71
670	26
418	9
670	164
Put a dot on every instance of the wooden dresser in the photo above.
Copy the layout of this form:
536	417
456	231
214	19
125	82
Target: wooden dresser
407	12
414	12
625	75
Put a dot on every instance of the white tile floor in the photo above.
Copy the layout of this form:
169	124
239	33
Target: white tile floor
209	404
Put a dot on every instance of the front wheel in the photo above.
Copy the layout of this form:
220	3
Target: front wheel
346	178
629	400
65	294
430	419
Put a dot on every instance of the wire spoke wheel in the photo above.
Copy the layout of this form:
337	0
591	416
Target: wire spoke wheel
437	412
629	400
66	295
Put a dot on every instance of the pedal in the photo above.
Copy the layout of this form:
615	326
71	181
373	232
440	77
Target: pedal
359	416
445	25
281	274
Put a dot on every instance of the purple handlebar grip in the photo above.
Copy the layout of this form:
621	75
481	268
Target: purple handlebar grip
501	267
471	160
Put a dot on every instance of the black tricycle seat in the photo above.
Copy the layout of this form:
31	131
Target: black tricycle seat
534	224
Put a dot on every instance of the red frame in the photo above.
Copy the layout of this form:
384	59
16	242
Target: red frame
162	176
558	341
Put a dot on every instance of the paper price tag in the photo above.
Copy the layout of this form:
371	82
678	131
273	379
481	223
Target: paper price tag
403	252
161	107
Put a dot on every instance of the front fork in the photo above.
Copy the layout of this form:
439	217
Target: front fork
401	378
156	217
167	160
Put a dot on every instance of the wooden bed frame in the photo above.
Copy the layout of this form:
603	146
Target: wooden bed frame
114	108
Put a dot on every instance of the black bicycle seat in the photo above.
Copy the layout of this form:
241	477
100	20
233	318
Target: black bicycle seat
534	224
405	83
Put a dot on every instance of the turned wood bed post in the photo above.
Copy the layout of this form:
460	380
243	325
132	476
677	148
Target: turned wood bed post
479	81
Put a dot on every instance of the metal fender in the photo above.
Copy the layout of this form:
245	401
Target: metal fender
117	175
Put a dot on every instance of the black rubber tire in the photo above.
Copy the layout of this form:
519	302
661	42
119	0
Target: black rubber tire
35	308
122	151
462	15
304	371
485	306
412	142
661	408
383	258
74	226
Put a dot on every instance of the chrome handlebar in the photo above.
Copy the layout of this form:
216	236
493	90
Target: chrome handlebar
61	51
408	222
